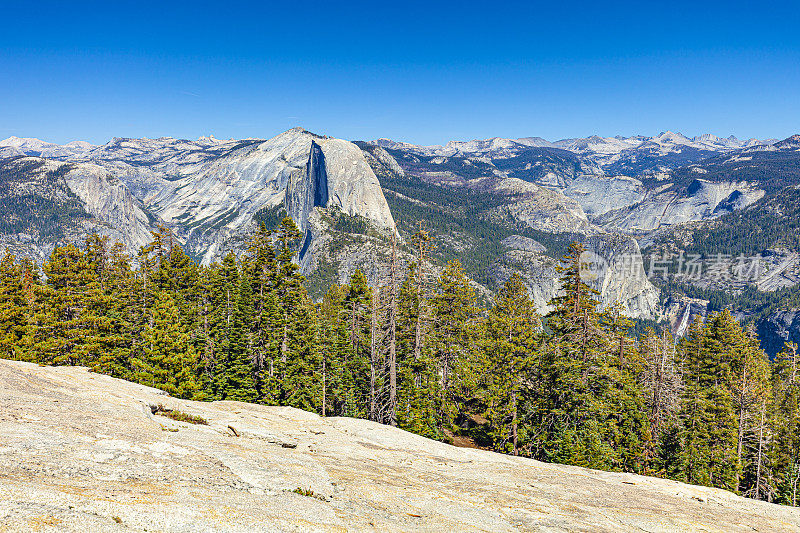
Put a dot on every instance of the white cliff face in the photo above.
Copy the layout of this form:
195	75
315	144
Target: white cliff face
352	185
78	198
598	195
702	199
624	280
210	190
621	280
109	201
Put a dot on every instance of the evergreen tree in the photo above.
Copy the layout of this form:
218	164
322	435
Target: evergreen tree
356	368
335	350
592	409
708	438
662	379
15	310
454	315
168	361
417	380
233	299
784	450
509	364
72	326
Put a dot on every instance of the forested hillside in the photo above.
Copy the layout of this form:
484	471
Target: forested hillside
772	222
767	232
473	235
772	169
36	201
418	352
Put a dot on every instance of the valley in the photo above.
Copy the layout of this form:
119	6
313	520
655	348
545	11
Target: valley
498	205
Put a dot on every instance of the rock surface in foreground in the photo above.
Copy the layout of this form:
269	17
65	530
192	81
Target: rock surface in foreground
83	452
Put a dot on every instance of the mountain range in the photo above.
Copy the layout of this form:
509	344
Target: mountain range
498	205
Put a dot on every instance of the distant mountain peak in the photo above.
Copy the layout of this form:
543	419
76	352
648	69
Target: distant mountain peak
789	143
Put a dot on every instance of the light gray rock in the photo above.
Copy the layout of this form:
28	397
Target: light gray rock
698	201
518	242
600	194
541	208
94	201
779	328
209	190
621	277
108	199
82	452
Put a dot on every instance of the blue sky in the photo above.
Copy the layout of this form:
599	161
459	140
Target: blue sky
421	72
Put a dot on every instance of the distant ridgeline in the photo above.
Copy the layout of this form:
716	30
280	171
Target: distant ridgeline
571	387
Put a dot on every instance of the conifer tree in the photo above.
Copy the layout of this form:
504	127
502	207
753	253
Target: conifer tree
592	409
237	364
14	310
234	380
302	383
335	349
784	449
454	315
417	379
708	439
168	361
356	368
662	379
72	327
510	363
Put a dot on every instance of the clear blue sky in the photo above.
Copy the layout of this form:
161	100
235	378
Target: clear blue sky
421	72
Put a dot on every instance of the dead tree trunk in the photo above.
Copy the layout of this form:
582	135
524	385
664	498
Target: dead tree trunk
393	336
373	327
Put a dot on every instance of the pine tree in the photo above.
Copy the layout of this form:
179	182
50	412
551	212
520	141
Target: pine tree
592	409
454	315
261	266
708	450
356	368
784	449
417	380
233	380
14	310
169	360
335	349
509	363
751	389
237	364
662	379
391	326
302	383
72	326
111	265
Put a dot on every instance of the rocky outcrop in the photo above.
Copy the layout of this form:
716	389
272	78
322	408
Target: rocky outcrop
309	189
598	195
209	191
108	200
538	272
619	277
84	452
700	200
51	203
681	311
541	208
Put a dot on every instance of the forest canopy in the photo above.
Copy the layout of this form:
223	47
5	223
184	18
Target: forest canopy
416	351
